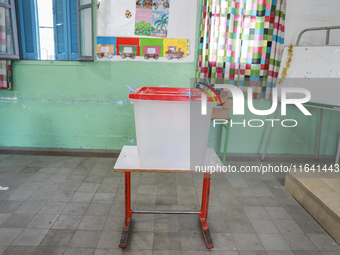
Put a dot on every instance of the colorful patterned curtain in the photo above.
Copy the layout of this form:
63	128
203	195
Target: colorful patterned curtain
242	43
6	47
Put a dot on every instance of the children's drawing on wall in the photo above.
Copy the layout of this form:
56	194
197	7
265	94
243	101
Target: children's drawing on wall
127	51
105	50
159	27
143	22
151	52
175	48
106	47
144	4
161	5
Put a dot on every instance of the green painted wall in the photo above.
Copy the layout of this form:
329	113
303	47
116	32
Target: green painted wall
84	105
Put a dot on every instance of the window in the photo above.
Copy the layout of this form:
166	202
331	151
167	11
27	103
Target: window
9	48
56	29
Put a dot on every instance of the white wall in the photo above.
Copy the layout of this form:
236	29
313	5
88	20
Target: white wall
303	14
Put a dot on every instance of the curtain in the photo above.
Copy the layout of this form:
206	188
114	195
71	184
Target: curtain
241	43
6	47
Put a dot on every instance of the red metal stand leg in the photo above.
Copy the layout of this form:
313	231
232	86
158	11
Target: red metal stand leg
126	228
203	217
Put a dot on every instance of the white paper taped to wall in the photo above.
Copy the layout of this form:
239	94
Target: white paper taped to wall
111	19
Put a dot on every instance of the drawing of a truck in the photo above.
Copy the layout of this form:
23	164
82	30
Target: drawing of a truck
151	52
127	51
173	53
105	50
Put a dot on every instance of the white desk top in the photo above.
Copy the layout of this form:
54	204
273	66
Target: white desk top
128	162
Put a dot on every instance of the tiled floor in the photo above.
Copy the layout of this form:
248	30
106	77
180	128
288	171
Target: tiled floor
75	205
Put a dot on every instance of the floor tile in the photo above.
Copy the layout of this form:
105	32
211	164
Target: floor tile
19	195
4	217
287	226
278	213
280	253
88	187
7	235
256	213
110	239
166	241
75	208
85	239
30	237
30	207
82	197
143	223
141	240
252	253
240	226
248	242
22	250
98	209
42	221
49	250
9	206
79	251
192	241
223	241
57	237
273	242
107	188
61	196
166	223
67	222
17	220
114	223
2	248
298	242
324	242
92	223
103	198
310	253
53	208
264	227
40	196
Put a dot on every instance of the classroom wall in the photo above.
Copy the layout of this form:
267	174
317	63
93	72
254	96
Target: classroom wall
84	105
303	14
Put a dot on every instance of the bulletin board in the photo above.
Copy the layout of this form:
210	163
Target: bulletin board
116	22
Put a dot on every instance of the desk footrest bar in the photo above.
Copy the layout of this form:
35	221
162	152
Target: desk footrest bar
165	212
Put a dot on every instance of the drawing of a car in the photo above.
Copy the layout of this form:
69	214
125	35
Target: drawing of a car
105	50
128	51
151	52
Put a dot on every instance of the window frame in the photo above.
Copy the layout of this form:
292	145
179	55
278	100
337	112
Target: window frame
16	55
79	9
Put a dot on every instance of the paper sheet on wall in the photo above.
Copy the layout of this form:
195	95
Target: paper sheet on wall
159	26
175	48
143	22
116	18
161	5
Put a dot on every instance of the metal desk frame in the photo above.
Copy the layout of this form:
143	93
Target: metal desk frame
202	214
328	31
